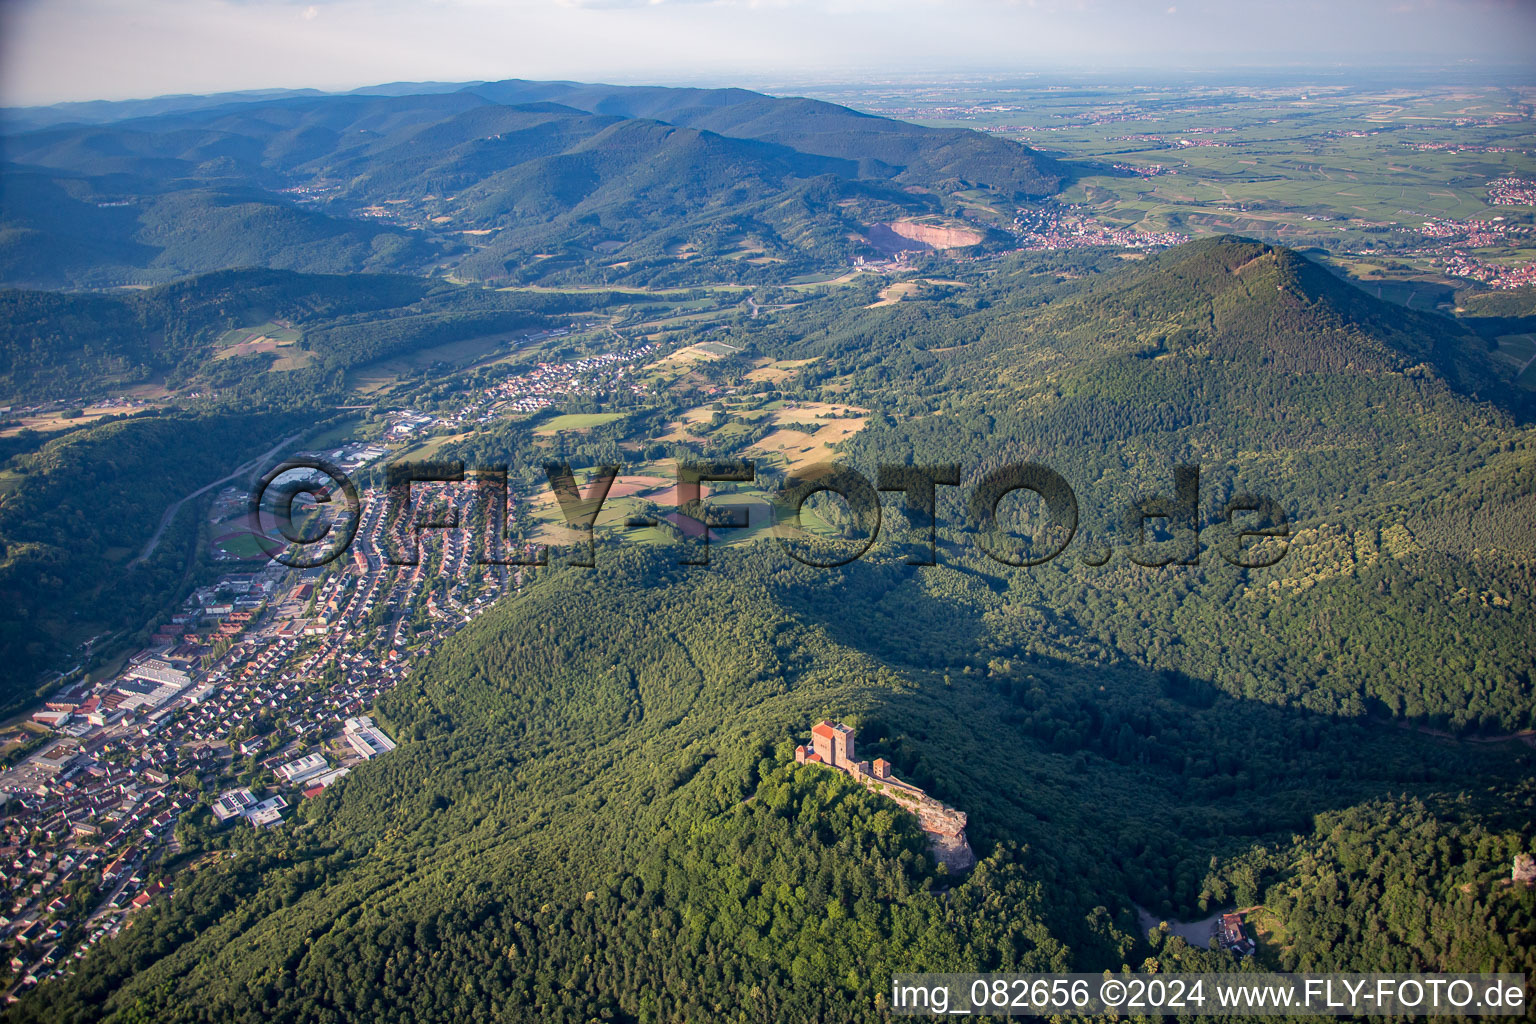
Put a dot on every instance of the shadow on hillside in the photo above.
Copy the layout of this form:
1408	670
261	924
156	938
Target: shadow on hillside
1124	781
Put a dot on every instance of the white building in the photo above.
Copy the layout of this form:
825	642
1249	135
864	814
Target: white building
233	803
156	671
305	768
268	812
366	738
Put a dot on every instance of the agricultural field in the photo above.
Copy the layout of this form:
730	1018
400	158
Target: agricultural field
70	419
808	433
278	337
577	421
683	357
457	355
776	371
779	435
357	428
652	494
1354	171
912	288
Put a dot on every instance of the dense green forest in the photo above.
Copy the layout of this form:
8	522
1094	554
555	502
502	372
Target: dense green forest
594	814
481	179
1399	884
1403	463
76	514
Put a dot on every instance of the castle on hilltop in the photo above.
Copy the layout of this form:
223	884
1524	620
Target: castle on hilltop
832	745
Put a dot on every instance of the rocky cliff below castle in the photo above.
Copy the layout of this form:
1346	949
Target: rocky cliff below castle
832	745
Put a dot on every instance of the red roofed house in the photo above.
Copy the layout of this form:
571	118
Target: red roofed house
1231	935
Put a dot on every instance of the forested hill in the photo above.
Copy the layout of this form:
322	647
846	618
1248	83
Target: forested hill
54	345
483	180
1403	489
78	506
1269	304
1209	303
605	821
882	147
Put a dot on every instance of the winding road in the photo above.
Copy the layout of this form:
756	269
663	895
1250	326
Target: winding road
170	513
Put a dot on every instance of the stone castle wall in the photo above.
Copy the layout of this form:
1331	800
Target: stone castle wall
944	826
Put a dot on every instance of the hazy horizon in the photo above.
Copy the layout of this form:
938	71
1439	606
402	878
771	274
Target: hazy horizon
81	50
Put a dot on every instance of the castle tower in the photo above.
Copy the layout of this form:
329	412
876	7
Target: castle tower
834	742
821	741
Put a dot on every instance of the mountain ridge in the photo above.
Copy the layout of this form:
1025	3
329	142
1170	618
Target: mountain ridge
440	181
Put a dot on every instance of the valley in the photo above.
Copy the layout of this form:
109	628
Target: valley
587	801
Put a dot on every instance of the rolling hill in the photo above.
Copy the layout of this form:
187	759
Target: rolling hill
880	146
1401	459
480	180
607	823
593	812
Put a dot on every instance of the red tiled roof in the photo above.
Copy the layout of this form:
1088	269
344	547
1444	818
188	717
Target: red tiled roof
823	729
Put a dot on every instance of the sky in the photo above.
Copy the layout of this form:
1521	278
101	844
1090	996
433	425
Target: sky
57	50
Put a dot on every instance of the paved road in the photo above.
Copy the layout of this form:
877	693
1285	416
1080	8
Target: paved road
170	513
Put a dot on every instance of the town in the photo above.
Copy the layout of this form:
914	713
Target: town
1056	227
257	692
1451	239
254	696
